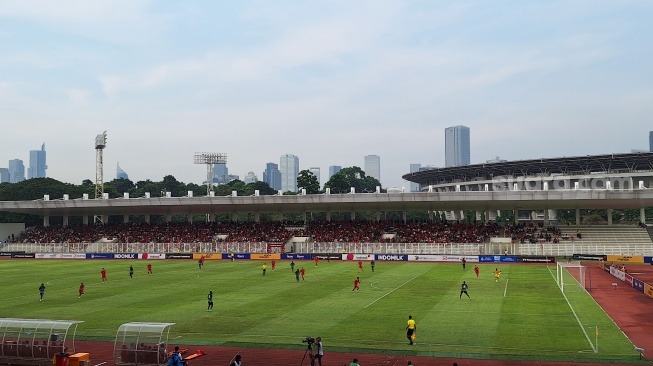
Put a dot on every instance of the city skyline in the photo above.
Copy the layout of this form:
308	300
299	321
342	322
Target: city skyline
531	79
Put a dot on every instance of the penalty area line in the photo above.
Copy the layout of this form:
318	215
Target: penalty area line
393	290
505	291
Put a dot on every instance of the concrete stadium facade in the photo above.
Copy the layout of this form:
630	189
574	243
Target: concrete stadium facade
593	182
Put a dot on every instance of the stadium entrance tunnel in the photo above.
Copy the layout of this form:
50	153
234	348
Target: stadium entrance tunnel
140	344
36	341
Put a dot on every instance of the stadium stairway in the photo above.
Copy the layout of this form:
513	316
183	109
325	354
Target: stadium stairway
604	234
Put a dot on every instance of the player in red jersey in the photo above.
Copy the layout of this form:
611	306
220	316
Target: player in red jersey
103	272
316	260
476	270
149	268
81	289
357	281
302	272
274	264
360	266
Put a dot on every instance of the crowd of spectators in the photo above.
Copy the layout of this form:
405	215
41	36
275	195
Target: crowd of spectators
347	231
170	232
429	232
537	233
270	232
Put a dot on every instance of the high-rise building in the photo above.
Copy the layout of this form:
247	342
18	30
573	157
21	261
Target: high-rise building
373	166
120	174
415	187
289	167
16	171
456	146
650	141
250	178
272	176
37	165
316	173
333	169
4	175
221	174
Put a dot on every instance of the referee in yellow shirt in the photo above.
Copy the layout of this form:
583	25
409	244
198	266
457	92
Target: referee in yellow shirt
411	328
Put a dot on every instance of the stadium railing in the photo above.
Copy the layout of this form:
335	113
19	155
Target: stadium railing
549	249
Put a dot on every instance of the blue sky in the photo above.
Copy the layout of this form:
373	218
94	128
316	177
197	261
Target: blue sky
328	81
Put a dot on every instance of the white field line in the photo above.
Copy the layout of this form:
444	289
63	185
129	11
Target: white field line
372	284
505	291
393	290
576	316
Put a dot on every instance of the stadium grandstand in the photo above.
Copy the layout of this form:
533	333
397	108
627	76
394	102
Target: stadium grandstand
531	189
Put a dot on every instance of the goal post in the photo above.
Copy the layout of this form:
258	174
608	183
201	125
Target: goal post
571	276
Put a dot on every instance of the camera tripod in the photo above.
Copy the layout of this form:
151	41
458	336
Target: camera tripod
309	353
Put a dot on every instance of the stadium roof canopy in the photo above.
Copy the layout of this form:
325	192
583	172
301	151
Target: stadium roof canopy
579	165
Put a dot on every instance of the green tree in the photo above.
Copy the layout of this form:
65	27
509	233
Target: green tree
342	181
197	189
122	186
154	188
263	188
170	184
308	181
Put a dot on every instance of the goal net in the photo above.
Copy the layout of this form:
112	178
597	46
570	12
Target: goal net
573	277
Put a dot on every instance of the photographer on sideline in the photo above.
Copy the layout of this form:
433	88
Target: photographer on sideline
319	351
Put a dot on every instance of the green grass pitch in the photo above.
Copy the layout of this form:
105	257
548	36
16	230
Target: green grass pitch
523	316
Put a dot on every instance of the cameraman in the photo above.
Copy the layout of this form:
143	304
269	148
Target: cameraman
319	351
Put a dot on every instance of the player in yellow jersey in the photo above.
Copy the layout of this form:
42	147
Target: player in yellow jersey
497	274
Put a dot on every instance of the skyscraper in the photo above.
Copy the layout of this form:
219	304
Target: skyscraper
4	175
221	174
650	141
373	166
456	146
272	176
289	167
16	171
37	164
316	173
415	187
333	169
120	174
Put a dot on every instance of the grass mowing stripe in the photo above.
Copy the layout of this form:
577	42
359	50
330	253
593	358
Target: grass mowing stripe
393	290
580	324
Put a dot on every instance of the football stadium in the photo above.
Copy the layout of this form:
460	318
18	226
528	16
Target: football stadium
536	290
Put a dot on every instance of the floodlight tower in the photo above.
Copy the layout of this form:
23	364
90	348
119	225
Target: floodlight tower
209	159
100	144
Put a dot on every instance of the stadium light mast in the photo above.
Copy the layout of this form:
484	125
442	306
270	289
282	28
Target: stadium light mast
100	144
209	159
